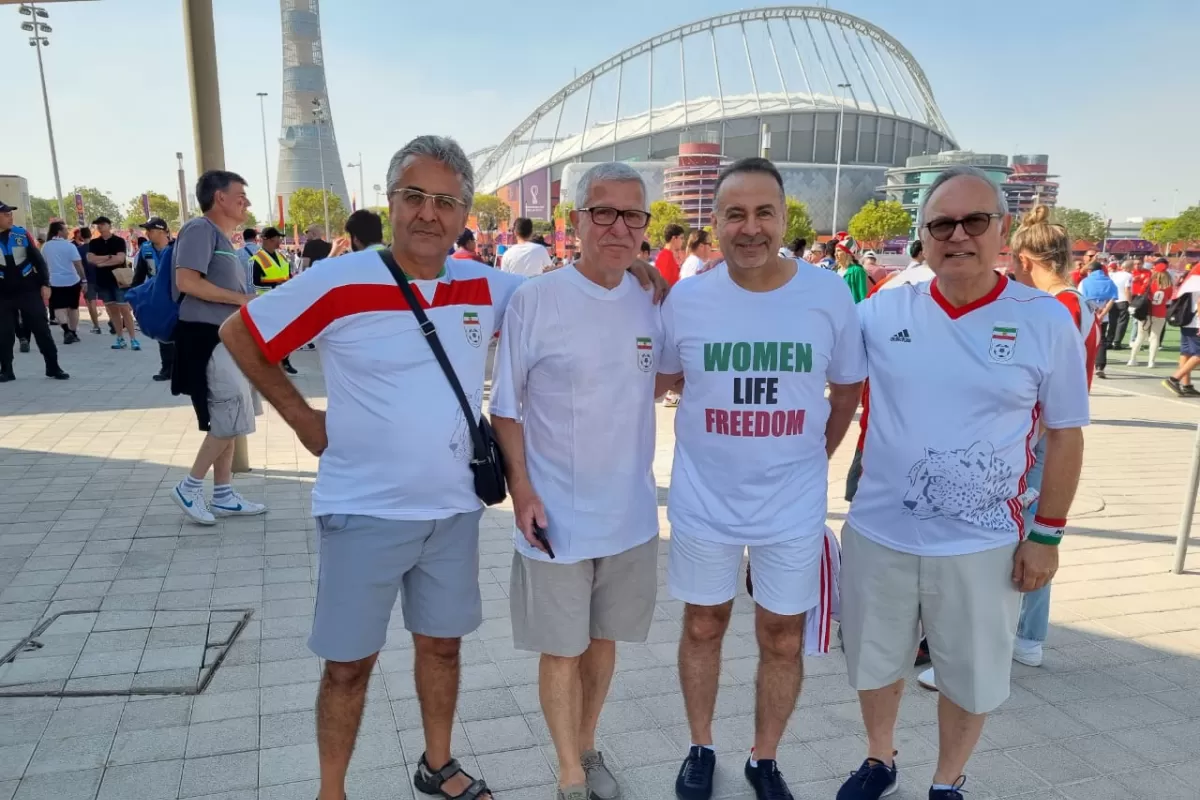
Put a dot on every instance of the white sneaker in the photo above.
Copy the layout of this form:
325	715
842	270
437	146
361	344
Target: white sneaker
237	506
1027	652
192	504
927	681
1150	365
1131	363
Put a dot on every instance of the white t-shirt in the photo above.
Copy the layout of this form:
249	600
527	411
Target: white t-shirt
576	364
1124	281
915	272
750	464
60	256
526	258
957	395
691	266
399	444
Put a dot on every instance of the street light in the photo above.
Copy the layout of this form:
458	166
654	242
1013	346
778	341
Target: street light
266	161
837	171
362	192
38	41
377	189
319	118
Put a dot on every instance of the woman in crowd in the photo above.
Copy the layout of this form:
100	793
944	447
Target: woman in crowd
1161	292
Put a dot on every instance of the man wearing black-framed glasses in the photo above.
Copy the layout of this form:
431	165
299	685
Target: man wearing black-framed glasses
965	371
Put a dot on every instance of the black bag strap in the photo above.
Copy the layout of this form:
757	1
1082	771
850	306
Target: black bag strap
435	344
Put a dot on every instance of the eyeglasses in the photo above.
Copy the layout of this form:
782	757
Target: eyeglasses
972	225
414	199
606	216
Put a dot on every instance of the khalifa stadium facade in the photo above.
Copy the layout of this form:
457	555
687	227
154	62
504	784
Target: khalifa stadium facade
768	81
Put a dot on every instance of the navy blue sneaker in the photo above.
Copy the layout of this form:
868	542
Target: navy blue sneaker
768	783
954	793
873	780
695	780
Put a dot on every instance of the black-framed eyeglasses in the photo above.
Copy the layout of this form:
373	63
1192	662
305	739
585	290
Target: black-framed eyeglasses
415	199
607	215
972	225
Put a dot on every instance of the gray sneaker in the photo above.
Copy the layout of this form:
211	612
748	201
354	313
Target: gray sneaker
601	784
573	793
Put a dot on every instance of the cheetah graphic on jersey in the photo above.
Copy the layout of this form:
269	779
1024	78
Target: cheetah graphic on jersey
460	440
972	485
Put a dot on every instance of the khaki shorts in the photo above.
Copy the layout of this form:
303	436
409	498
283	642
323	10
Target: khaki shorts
558	609
967	606
232	405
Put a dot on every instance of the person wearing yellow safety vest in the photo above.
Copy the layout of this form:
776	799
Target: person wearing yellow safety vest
271	268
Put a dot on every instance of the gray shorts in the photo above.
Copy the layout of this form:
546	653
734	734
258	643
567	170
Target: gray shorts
232	405
558	609
367	561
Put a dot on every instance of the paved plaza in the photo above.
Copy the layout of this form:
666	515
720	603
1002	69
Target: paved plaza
86	524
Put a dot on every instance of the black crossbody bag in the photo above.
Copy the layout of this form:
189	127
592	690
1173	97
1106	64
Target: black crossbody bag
487	462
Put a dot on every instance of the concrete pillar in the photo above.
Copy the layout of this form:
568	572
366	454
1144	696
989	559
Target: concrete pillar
199	39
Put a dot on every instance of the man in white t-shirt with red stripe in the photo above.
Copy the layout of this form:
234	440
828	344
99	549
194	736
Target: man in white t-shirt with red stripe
963	370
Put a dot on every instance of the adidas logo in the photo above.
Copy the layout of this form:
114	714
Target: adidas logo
901	336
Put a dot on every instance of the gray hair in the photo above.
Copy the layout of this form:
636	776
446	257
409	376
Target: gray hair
960	172
439	148
608	171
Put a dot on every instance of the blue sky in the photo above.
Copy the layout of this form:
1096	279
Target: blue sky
1107	89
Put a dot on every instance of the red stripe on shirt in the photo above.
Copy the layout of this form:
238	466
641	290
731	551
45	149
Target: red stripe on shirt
362	298
1014	504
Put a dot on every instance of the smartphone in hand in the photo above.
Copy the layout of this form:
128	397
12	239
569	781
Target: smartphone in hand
539	533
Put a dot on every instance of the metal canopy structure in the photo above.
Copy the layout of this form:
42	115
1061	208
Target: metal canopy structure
745	64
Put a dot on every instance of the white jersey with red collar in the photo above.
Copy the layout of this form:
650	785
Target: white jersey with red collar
957	395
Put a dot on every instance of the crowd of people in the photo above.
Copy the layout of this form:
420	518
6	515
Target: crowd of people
973	384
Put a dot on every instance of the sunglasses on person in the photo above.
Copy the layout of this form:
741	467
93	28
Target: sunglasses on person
972	225
415	199
607	216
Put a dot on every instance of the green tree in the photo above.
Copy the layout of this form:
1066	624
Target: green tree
305	208
95	204
543	227
251	220
160	206
662	214
1086	225
43	209
490	210
799	224
1187	224
563	211
1163	232
878	221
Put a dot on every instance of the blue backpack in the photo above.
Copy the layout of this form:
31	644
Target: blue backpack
153	306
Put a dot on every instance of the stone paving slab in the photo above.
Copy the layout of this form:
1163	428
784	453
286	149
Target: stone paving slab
86	523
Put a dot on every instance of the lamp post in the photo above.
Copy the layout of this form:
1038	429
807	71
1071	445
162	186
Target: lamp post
183	192
377	189
319	119
262	111
38	41
362	192
837	170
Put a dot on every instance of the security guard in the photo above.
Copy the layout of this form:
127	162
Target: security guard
271	268
24	289
149	256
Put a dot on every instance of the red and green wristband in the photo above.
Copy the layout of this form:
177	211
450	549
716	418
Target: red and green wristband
1047	530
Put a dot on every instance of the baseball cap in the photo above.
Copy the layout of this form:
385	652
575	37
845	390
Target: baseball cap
869	254
155	224
1162	261
5	207
271	233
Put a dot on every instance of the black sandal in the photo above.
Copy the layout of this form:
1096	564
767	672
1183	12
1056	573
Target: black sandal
429	782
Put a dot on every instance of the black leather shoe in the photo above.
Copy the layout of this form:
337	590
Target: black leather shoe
5	377
58	375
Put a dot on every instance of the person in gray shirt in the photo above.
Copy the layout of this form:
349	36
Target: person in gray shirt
210	282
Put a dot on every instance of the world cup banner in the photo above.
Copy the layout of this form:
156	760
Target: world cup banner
146	205
79	209
560	238
535	195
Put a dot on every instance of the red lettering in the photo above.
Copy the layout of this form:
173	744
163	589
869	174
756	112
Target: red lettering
735	423
762	423
795	422
778	423
709	418
722	422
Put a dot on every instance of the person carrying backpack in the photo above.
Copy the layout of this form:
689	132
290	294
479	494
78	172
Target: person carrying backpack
151	257
1182	313
1158	295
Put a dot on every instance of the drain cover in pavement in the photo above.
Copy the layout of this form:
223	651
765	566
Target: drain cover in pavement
100	653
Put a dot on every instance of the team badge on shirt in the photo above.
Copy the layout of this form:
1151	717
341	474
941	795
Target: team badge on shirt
645	353
471	328
1004	342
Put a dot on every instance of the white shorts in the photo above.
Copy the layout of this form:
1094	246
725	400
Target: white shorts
967	606
787	575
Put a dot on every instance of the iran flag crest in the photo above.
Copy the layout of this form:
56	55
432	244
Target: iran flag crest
471	328
1004	342
645	353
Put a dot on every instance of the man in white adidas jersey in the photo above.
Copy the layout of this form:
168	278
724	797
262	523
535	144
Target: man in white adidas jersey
394	498
963	370
756	339
573	408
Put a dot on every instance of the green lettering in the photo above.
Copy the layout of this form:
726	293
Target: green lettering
803	357
766	356
716	356
741	356
785	356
